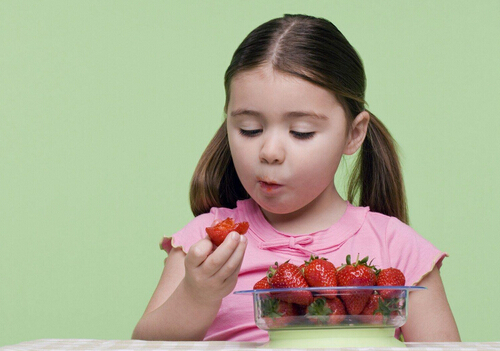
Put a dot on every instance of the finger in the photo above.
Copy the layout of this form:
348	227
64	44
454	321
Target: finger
234	276
198	253
220	256
233	264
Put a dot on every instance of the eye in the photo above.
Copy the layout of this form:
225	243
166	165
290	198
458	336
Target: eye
302	135
251	132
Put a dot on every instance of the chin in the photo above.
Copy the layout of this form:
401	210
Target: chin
281	207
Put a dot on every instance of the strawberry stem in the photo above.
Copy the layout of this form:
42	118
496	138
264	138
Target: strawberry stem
271	271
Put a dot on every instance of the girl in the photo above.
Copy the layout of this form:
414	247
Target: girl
294	105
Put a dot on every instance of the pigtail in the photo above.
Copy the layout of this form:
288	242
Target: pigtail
377	178
215	182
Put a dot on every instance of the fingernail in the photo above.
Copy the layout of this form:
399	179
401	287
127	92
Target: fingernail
235	236
243	238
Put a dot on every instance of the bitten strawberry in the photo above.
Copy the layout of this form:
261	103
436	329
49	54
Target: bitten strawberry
359	273
390	277
326	311
320	273
219	231
288	275
262	284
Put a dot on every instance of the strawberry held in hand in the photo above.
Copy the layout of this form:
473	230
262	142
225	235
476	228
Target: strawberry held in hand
356	274
288	275
219	231
319	272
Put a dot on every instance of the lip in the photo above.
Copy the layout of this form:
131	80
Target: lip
268	185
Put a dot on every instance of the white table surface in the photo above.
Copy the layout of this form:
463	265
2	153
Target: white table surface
89	344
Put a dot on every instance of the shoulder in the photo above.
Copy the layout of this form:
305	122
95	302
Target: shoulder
406	249
398	236
388	225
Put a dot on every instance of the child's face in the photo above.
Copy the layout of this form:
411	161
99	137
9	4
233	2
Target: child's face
287	137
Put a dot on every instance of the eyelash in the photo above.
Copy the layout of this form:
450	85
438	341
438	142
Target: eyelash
250	133
302	136
298	135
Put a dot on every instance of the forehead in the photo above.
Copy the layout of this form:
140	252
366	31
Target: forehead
265	87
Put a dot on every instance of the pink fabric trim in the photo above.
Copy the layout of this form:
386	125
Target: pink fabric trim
438	262
167	244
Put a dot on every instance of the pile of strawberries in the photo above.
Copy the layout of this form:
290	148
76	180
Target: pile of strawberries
330	306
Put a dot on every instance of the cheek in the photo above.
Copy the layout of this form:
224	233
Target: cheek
234	147
319	163
316	167
240	159
328	150
240	163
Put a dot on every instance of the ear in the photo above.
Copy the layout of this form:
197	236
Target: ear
357	133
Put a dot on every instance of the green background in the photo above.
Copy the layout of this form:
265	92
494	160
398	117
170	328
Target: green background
106	107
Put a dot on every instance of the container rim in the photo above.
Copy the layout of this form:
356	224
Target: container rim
323	288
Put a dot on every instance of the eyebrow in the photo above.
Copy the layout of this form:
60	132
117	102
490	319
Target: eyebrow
291	114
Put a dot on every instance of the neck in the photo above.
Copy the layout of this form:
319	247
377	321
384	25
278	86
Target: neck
311	218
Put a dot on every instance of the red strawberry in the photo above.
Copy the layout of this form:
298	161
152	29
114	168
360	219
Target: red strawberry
302	267
371	305
219	231
319	273
262	284
378	310
356	274
277	313
371	310
326	311
390	277
288	275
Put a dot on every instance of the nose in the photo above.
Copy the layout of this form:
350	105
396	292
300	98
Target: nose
272	150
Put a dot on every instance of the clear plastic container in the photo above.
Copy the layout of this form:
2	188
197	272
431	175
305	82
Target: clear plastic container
328	320
392	310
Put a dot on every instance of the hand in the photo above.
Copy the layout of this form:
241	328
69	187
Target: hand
212	274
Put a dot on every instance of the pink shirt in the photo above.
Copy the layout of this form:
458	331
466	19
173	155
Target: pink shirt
386	240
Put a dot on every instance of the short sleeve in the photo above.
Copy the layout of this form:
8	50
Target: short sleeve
193	232
414	255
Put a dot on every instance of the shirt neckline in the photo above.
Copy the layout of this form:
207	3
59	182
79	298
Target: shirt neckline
347	226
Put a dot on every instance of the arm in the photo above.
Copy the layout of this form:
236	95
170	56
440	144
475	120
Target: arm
190	291
429	314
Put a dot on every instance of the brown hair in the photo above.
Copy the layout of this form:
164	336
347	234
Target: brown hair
315	50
